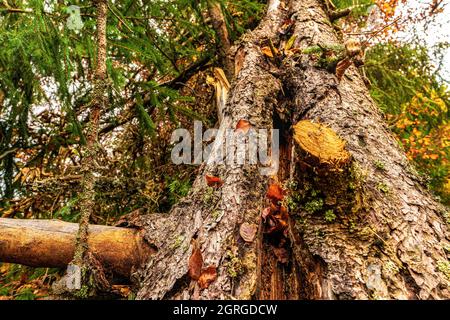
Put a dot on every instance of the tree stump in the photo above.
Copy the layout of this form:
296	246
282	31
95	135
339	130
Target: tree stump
320	146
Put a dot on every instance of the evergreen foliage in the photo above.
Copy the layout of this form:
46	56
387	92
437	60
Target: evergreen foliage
47	60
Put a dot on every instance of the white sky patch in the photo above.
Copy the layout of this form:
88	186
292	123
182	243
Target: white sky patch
437	31
273	5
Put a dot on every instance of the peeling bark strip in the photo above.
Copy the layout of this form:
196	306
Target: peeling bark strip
50	243
357	233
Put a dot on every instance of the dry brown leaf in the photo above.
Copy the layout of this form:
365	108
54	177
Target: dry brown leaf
266	51
248	231
271	225
212	181
341	67
277	221
275	226
275	193
265	213
243	125
195	263
284	213
208	275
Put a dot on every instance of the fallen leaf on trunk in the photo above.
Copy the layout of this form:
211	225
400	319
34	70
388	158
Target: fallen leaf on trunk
248	231
212	181
341	67
275	226
277	221
271	225
195	263
266	51
275	193
208	275
243	125
274	207
284	213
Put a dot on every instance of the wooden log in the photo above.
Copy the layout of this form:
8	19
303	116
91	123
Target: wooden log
51	243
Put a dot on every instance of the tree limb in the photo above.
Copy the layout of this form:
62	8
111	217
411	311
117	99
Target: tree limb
51	243
224	44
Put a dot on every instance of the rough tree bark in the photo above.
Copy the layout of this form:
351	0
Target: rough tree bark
388	237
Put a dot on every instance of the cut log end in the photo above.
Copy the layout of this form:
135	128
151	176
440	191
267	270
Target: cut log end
321	144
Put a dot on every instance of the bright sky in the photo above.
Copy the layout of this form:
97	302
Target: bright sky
436	32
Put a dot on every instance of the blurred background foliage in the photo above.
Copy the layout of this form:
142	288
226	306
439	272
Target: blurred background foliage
416	104
160	54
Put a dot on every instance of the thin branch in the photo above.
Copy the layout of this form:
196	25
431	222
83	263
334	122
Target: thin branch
374	32
335	15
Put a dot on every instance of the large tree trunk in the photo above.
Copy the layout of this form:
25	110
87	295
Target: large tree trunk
388	238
